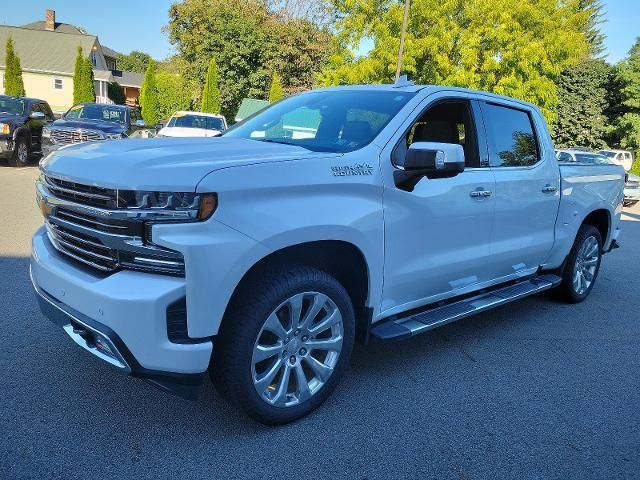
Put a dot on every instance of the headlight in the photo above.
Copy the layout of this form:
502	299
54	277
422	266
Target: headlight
200	206
46	132
4	128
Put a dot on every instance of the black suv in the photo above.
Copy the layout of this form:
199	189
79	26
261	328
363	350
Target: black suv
86	122
21	123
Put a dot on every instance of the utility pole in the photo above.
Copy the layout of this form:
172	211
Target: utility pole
402	33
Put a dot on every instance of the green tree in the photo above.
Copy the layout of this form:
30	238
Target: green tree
249	40
13	83
275	92
594	10
510	47
149	95
627	128
211	92
173	94
116	93
83	88
583	102
136	61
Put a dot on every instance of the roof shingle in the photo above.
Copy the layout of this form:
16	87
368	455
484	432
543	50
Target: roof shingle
43	50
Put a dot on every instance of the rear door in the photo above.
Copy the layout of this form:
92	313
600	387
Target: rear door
527	189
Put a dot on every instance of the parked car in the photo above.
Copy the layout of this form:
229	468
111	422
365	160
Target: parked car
573	155
92	122
260	257
21	123
619	157
631	190
194	124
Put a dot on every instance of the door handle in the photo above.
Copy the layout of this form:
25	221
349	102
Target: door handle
480	193
549	189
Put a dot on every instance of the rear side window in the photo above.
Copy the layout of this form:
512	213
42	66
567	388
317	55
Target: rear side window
511	138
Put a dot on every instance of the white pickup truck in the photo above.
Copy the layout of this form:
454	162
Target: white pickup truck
373	213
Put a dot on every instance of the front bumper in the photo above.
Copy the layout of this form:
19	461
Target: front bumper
6	147
120	318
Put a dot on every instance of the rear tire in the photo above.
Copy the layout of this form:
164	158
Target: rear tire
20	156
582	266
284	344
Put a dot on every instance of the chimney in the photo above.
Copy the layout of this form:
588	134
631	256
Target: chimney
50	20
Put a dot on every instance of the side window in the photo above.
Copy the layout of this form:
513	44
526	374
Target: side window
44	108
35	108
565	157
511	138
448	122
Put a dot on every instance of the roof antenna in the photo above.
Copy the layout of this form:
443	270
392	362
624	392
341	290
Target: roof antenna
403	81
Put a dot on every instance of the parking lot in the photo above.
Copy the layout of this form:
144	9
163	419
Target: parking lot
536	389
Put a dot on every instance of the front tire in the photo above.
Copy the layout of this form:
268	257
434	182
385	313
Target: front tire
284	344
20	157
583	265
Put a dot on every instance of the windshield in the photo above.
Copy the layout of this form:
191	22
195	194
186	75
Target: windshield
326	121
593	158
607	153
196	121
106	113
11	105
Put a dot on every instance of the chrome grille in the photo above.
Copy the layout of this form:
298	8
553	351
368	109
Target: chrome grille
84	248
85	194
106	225
84	223
66	136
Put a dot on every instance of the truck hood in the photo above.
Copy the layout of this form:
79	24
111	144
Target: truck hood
187	132
11	118
106	127
163	164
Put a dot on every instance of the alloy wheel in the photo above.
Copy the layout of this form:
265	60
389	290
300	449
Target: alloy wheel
586	264
23	152
297	349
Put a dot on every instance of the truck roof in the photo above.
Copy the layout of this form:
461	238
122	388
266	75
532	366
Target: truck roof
413	88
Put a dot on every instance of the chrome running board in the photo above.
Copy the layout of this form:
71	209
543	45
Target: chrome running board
436	316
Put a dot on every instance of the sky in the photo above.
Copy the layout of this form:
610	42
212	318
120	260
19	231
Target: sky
126	25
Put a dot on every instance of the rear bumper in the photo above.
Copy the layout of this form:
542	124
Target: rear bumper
631	194
120	318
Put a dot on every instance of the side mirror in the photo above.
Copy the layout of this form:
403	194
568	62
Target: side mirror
431	160
36	116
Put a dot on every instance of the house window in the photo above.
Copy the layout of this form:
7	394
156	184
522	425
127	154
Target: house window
57	83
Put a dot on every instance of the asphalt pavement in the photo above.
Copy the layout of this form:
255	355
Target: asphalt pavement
534	390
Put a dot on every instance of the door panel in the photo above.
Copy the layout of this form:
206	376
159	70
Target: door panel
437	238
527	191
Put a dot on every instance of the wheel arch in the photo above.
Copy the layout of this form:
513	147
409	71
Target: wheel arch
22	131
341	259
601	220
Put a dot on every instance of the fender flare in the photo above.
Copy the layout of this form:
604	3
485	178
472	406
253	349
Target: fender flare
20	132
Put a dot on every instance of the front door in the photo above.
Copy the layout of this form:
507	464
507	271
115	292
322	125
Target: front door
437	237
